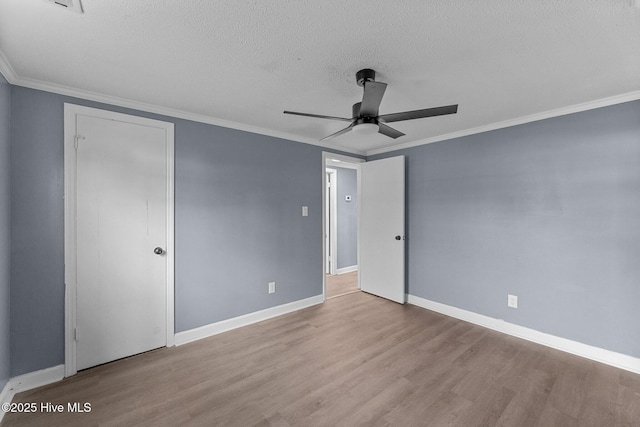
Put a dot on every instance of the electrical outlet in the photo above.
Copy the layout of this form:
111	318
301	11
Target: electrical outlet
512	301
272	287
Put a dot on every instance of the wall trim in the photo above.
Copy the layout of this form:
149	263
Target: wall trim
331	218
349	269
211	329
10	75
6	396
585	106
6	69
597	354
29	381
35	379
340	164
14	79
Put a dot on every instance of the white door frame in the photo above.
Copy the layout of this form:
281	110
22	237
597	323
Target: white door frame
331	212
327	162
71	111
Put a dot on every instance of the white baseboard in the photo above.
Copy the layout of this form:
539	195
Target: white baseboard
6	395
598	354
349	269
29	381
244	320
37	378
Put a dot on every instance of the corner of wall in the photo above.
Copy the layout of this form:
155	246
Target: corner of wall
5	231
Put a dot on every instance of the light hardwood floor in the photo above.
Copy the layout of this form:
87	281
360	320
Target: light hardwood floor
341	284
354	360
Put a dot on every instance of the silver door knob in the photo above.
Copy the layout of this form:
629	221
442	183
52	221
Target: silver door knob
158	251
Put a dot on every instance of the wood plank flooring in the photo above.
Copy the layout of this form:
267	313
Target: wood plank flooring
354	360
341	284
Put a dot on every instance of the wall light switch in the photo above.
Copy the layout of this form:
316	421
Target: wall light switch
305	211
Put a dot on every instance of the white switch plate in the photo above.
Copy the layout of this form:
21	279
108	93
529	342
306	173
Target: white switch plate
272	287
305	211
512	301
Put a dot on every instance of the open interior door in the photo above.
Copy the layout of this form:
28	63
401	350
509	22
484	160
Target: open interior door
381	228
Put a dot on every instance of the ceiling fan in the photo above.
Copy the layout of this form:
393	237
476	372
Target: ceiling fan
365	114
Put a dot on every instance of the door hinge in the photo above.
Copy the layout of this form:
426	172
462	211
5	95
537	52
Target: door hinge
77	334
75	140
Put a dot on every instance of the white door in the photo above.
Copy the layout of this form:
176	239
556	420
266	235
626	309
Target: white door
121	217
381	228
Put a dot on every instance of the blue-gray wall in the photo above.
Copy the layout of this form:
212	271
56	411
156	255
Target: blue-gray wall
5	230
238	224
548	211
37	239
347	221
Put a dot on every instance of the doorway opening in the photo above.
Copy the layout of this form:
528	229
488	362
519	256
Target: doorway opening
340	211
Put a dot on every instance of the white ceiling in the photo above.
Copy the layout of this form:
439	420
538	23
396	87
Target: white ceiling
240	63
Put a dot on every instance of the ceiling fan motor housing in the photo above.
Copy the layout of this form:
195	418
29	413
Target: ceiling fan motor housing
365	120
365	75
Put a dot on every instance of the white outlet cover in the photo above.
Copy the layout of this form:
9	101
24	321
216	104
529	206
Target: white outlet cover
272	287
512	301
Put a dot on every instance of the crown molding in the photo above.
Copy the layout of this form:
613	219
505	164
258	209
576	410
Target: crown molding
585	106
10	75
6	69
8	72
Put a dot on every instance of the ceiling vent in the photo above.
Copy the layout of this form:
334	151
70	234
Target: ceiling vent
72	5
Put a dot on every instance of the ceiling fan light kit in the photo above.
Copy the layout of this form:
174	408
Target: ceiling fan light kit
366	128
365	118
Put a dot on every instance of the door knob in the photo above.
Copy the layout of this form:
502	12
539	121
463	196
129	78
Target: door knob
158	251
398	237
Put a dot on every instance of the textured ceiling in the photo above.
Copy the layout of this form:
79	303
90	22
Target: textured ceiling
243	62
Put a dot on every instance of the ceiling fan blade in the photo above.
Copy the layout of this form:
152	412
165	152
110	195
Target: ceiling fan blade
340	132
372	97
389	131
419	114
317	116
